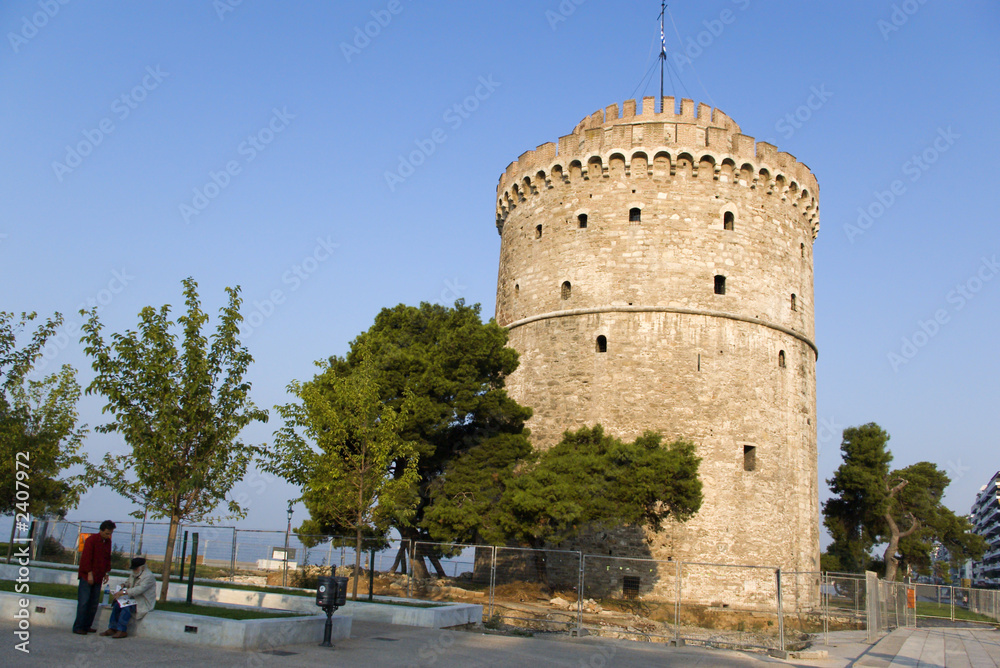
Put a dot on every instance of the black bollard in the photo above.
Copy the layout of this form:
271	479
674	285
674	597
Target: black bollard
184	552
371	575
194	561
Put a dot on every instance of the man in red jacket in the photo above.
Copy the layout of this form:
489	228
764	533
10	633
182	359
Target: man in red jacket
95	564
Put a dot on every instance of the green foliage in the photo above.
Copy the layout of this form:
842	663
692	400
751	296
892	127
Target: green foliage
597	481
180	407
901	508
854	515
37	417
51	550
361	474
830	563
918	502
119	560
464	498
494	623
452	367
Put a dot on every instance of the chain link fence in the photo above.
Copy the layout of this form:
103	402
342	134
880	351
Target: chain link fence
844	597
944	602
536	590
630	598
552	591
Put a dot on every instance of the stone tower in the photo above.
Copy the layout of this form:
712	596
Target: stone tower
656	272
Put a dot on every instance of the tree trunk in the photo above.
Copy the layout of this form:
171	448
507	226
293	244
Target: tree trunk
400	560
891	562
168	557
438	568
419	567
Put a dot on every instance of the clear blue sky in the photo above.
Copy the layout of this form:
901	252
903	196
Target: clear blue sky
164	95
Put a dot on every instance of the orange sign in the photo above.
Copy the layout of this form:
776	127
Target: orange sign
81	540
911	598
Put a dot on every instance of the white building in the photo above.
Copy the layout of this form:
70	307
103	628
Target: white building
985	518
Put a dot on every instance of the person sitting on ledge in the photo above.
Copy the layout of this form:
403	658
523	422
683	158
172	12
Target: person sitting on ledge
137	596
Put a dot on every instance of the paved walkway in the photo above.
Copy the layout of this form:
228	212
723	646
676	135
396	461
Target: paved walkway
375	645
935	648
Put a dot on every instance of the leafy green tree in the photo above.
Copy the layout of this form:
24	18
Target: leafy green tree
829	563
854	514
361	474
39	437
902	508
464	498
589	481
181	406
918	519
593	480
455	367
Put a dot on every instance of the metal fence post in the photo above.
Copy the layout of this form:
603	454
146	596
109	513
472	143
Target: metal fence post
677	609
824	583
183	553
76	551
952	599
579	596
493	579
232	559
781	613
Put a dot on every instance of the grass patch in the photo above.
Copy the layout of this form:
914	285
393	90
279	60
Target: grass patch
932	609
70	592
306	593
290	591
201	573
225	613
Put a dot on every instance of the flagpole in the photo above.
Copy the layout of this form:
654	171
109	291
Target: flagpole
663	50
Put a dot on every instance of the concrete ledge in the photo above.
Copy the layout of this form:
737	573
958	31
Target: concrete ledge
809	654
404	614
439	616
39	574
249	634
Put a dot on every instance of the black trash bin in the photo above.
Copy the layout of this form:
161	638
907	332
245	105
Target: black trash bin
331	593
326	592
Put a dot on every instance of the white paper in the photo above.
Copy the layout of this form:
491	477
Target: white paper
124	600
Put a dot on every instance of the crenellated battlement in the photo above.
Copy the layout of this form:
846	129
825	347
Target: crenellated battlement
701	137
703	115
